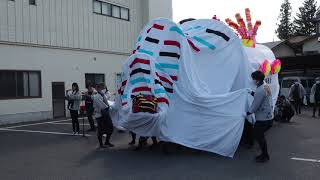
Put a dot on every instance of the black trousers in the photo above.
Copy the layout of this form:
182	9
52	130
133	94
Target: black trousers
75	122
316	104
133	136
247	135
90	119
297	105
260	127
102	130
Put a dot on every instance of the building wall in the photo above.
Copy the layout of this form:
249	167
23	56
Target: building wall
283	51
69	23
56	65
161	8
312	45
64	39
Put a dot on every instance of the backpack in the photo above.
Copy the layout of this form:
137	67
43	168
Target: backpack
296	91
317	93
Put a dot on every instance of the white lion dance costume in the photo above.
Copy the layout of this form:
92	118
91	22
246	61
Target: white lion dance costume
189	84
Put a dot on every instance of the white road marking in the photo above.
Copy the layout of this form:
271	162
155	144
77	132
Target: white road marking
67	123
303	159
33	124
42	132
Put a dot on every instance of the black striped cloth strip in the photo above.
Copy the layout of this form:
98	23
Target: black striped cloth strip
139	70
156	81
152	40
170	54
218	33
169	90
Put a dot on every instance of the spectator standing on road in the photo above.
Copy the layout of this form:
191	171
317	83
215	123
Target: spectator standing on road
101	109
89	107
315	93
74	99
297	93
262	108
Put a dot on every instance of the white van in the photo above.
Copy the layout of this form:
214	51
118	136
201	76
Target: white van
286	83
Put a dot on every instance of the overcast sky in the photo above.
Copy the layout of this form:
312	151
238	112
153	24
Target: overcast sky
265	10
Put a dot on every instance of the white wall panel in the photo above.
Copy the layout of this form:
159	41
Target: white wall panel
81	23
40	19
95	31
91	25
52	25
105	33
70	23
59	22
64	14
100	32
4	20
33	25
19	20
75	22
11	22
86	32
26	22
46	22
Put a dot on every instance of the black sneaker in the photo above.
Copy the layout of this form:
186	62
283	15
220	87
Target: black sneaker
132	143
259	157
109	144
153	146
263	159
121	131
102	147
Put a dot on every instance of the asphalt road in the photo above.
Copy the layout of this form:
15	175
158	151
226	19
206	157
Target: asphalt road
48	152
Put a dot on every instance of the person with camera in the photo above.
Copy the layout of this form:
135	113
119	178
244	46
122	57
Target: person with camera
74	99
88	96
104	122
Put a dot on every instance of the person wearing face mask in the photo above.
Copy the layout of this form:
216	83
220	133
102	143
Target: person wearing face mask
101	108
74	97
89	106
106	92
315	93
297	93
262	108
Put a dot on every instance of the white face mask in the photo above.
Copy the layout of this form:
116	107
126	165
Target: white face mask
103	91
318	81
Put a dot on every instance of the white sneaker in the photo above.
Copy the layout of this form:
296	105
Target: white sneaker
74	133
77	133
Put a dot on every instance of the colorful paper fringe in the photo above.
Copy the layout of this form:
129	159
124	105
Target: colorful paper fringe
248	42
247	32
265	67
276	66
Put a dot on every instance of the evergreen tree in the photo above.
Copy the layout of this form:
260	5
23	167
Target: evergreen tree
285	25
303	23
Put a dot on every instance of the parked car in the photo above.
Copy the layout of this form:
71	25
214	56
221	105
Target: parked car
286	83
